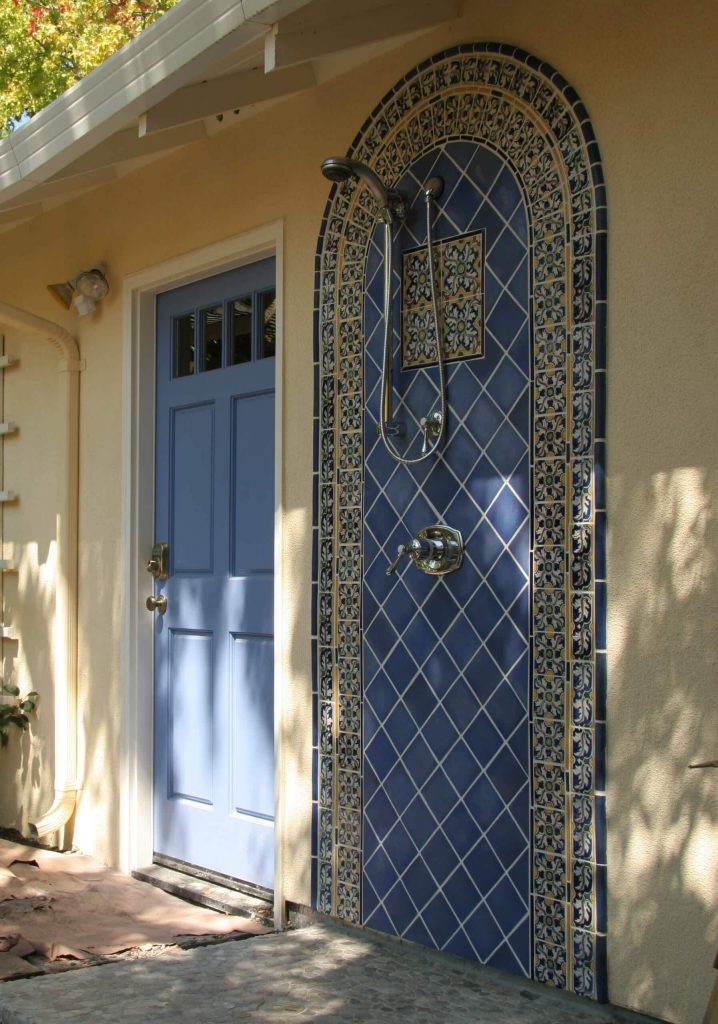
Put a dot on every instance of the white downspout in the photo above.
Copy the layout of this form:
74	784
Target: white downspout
65	633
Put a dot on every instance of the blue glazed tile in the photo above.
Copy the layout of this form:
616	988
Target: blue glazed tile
506	711
485	167
483	932
440	607
484	611
399	847
439	794
440	920
314	871
484	548
459	945
506	579
600	820
419	934
381	636
461	641
504	320
481	675
505	194
519	224
418	515
464	516
399	908
440	733
521	414
400	668
600	614
601	684
381	756
461	892
462	453
439	857
485	417
420	638
370	900
506	905
600	404
600	545
461	831
507	514
380	920
400	607
461	704
461	767
506	839
484	867
419	761
506	449
600	475
420	824
420	700
381	519
440	486
439	671
599	748
601	898
507	256
600	336
400	727
483	739
380	697
380	872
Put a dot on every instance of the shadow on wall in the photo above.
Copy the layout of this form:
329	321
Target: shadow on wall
28	758
662	714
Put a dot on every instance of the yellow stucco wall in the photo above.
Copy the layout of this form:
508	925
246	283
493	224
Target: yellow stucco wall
647	74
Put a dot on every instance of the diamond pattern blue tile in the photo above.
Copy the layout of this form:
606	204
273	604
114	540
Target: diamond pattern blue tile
460	709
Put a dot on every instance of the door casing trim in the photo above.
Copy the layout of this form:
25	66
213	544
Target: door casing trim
138	429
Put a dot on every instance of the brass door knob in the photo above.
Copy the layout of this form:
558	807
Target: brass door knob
157	604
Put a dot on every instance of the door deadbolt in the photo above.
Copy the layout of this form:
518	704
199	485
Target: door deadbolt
159	563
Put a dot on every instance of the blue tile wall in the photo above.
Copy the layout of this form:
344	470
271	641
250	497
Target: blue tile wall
459	792
448	750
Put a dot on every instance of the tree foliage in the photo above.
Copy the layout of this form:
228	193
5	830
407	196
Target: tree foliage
46	47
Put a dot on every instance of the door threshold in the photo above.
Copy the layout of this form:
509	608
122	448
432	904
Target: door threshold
206	893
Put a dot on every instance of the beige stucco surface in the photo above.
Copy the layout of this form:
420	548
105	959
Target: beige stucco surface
647	74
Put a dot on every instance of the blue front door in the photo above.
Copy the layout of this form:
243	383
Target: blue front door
214	507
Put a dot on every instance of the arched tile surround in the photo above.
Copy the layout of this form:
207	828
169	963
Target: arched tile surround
521	113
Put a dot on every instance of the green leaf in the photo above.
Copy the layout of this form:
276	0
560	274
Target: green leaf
27	705
12	690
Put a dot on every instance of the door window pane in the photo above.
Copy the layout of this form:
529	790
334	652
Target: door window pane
212	338
268	328
183	362
240	339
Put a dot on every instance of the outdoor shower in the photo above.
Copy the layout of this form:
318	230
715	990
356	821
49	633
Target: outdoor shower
391	209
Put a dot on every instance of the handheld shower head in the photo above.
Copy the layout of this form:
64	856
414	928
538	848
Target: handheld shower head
342	168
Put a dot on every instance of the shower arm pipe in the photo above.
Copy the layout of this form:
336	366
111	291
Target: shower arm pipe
386	412
66	542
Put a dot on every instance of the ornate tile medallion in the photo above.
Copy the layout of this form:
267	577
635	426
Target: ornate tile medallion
459	282
522	110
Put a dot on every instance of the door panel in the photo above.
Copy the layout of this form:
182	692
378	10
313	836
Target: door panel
214	504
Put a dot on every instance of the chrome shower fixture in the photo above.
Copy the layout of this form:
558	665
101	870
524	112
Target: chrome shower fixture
390	202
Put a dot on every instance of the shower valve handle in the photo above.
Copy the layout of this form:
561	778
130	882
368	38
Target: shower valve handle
414	549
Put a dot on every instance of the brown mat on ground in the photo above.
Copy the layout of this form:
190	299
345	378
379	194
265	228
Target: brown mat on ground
63	905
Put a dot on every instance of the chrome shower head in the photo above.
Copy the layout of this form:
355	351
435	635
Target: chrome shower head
342	168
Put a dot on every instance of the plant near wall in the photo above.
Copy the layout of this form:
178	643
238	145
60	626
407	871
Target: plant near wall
17	712
46	47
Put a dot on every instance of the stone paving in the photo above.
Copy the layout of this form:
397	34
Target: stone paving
320	973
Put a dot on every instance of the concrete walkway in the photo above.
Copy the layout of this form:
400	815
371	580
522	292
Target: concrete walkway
320	973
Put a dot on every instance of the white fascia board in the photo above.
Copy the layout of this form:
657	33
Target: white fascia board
166	56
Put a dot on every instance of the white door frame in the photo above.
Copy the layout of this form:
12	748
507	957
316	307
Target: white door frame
138	489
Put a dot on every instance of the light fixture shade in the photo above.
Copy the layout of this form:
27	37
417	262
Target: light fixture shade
61	293
92	284
83	291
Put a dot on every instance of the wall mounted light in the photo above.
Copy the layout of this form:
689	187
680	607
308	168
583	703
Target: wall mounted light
83	291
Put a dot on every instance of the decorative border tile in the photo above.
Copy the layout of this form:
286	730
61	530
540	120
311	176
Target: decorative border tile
522	108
